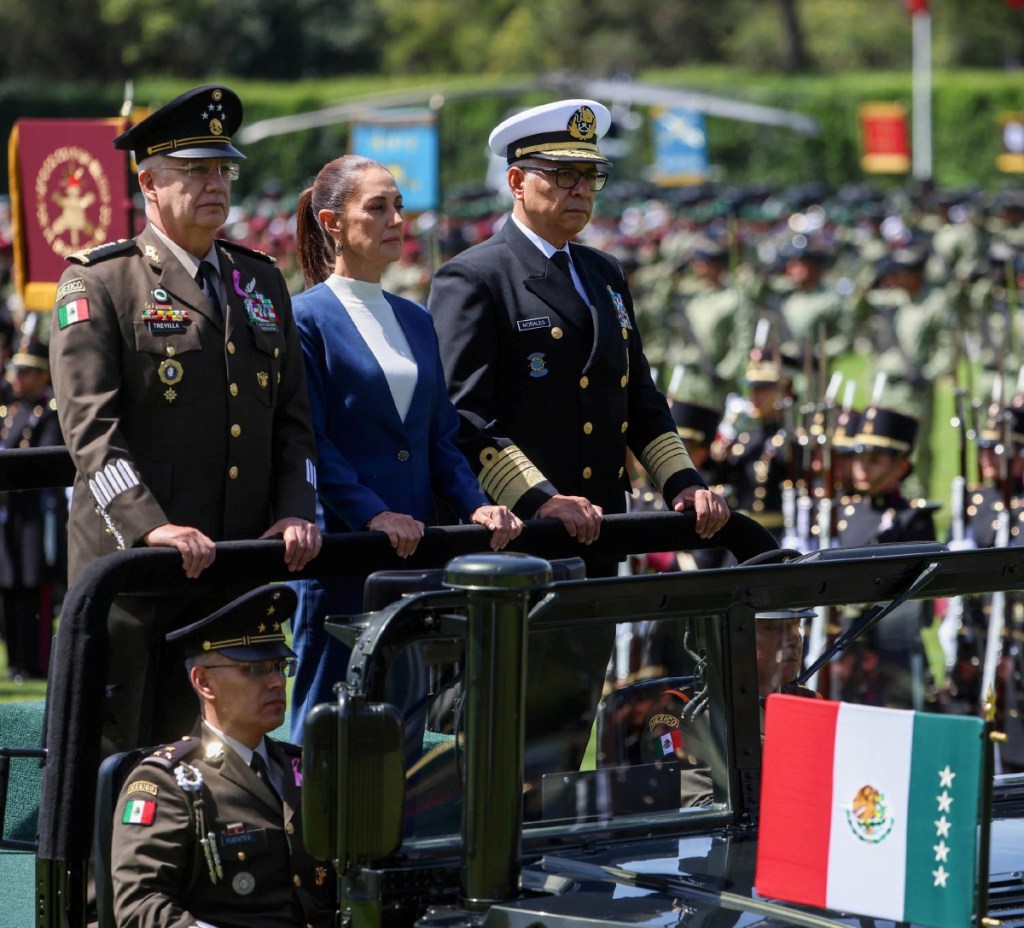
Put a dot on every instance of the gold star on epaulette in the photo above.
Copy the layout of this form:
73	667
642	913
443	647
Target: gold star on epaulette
271	610
261	628
276	626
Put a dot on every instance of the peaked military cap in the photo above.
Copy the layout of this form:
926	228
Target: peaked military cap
706	248
802	248
765	367
844	435
696	424
886	430
32	353
567	130
784	614
246	629
992	431
198	124
908	258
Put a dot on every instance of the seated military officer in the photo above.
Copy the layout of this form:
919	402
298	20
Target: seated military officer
208	831
678	728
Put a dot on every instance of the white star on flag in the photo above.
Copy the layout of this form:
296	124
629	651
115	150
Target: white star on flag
940	876
945	801
941	851
946	776
942	827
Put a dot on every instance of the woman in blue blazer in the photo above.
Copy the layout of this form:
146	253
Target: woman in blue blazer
385	428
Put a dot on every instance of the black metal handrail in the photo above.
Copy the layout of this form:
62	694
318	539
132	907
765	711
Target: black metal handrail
75	695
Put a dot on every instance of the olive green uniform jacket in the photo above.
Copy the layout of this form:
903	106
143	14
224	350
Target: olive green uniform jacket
162	875
172	415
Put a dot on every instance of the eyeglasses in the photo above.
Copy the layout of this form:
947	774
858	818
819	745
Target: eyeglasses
202	170
567	178
260	669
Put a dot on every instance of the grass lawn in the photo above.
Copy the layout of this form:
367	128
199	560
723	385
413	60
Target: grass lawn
15	692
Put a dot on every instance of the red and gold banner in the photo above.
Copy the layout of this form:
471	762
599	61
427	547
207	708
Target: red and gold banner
69	191
885	139
1011	159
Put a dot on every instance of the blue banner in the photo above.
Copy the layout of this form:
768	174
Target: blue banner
405	142
680	146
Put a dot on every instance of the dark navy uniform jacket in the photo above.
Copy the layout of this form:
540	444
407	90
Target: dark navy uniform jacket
551	391
883	518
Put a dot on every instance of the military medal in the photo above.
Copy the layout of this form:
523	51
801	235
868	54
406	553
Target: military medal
620	310
243	883
537	366
258	308
170	372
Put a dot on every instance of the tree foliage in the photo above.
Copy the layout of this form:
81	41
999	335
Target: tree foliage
116	39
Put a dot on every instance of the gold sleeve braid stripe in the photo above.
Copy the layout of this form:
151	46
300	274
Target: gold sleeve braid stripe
665	456
506	475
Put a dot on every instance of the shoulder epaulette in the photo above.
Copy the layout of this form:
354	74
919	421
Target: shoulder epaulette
926	505
246	250
167	755
102	252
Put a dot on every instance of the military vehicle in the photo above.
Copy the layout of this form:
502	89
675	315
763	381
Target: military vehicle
477	820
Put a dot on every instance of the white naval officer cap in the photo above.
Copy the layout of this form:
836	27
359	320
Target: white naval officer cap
566	130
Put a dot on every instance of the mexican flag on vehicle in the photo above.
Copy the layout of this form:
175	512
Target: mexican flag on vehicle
870	811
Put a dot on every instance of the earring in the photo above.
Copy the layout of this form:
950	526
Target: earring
337	249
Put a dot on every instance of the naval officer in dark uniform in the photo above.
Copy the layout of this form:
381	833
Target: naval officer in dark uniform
181	394
227	784
544	363
540	345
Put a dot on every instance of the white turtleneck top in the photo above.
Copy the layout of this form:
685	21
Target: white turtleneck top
375	320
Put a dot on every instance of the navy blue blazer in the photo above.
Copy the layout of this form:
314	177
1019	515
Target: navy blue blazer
370	460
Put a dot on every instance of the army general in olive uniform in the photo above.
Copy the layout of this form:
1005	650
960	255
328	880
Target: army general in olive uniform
208	830
180	391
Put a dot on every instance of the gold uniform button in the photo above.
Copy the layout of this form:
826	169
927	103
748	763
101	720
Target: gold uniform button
236	430
231	347
625	425
233	389
170	351
277	352
233	473
584	382
556	332
297	880
403	455
241	856
588	427
625	333
586	473
623	382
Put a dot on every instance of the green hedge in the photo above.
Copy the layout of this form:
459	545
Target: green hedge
966	107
